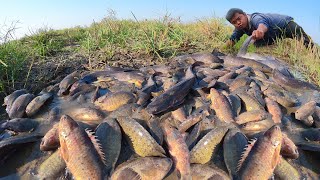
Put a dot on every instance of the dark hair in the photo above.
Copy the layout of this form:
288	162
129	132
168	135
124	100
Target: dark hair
233	11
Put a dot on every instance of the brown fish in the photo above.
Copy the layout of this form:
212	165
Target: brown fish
66	83
78	151
8	100
292	83
19	106
221	106
261	157
87	114
250	103
155	168
113	101
288	148
250	116
50	141
274	109
36	103
238	61
200	172
178	149
145	93
305	110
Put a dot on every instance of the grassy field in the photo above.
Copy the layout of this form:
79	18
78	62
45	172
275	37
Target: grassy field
103	42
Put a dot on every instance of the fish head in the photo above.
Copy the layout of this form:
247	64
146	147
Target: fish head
163	165
66	126
274	136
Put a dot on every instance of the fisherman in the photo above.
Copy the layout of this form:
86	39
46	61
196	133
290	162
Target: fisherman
264	28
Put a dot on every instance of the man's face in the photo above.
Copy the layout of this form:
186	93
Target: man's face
240	21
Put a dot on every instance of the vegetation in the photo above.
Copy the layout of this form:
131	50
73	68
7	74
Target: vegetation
160	39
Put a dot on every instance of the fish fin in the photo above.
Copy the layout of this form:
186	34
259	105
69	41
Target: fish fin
129	173
245	153
96	144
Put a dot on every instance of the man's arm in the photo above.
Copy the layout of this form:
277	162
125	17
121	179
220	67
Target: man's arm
261	25
236	35
259	33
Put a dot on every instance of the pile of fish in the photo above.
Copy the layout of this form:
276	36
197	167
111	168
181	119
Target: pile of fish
200	116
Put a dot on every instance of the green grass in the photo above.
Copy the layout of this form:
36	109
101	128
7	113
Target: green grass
162	38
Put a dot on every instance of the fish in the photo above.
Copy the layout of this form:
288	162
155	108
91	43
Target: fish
109	135
316	117
288	148
191	139
202	152
50	140
145	93
173	96
201	171
52	167
235	103
280	97
139	138
291	83
143	168
284	170
274	109
238	61
250	116
305	110
67	82
239	82
132	76
34	106
261	156
155	129
233	144
250	103
19	106
192	120
78	151
178	150
221	105
179	114
257	125
87	114
20	124
8	100
113	101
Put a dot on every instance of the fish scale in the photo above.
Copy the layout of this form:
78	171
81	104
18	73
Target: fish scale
203	150
142	142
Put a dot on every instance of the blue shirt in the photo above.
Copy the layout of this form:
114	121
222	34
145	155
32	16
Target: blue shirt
275	23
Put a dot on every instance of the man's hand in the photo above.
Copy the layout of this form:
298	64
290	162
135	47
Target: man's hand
259	33
229	43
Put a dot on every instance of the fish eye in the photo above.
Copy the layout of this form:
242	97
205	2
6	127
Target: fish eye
64	134
275	143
